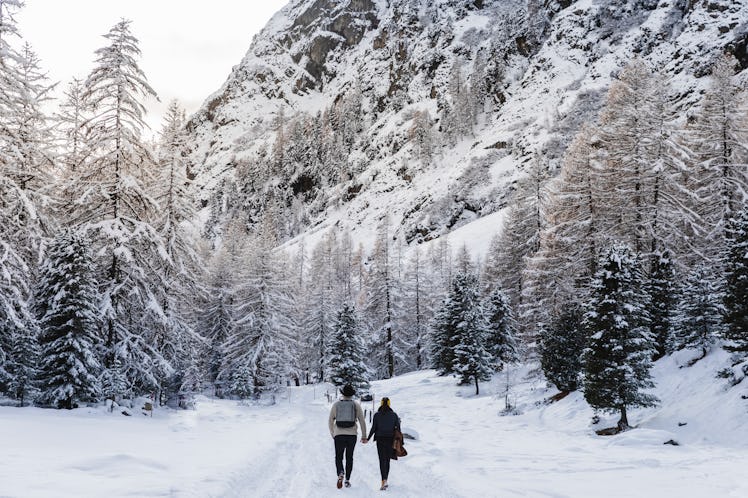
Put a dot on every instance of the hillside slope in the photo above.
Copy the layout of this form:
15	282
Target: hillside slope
343	111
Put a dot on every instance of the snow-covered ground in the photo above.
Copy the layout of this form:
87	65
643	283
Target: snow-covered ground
464	447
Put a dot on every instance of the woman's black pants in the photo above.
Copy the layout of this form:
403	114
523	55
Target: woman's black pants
384	449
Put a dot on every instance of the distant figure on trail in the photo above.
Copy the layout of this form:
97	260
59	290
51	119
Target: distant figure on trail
383	428
342	421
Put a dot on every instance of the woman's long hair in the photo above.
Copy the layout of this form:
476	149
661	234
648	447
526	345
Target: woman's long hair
384	406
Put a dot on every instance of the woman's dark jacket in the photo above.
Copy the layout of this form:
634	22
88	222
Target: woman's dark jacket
384	424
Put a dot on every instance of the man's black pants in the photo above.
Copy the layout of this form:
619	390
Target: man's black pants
344	444
384	449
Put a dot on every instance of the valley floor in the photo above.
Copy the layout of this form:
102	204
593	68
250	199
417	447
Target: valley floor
464	447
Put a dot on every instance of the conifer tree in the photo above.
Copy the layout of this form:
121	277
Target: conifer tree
114	208
561	346
459	320
617	360
23	368
697	319
264	339
346	364
66	308
472	362
501	334
381	290
736	286
719	137
661	290
417	310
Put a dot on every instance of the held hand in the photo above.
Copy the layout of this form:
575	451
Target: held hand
364	440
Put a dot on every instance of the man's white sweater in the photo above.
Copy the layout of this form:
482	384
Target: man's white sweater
347	431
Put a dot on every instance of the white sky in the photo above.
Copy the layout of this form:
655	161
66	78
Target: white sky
188	46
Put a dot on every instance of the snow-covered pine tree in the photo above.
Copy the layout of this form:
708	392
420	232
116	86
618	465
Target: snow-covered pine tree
501	334
115	210
661	290
697	319
346	363
23	369
472	362
561	346
454	318
736	286
15	313
66	307
618	357
113	379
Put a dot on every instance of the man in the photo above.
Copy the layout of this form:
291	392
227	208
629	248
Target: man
342	422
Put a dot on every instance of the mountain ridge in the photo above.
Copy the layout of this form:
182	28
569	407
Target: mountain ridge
542	70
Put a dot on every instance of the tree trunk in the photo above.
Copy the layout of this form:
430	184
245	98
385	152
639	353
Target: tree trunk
623	424
477	392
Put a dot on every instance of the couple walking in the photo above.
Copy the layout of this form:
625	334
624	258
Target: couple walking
342	421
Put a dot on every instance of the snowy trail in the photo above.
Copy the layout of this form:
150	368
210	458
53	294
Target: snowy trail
302	464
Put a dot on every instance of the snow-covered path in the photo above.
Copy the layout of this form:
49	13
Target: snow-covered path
302	464
464	447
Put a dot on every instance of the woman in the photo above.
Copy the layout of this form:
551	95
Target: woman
383	428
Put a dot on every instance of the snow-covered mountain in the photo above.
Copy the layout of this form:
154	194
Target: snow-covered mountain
344	111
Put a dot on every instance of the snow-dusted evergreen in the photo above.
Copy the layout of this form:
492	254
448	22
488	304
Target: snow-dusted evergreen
561	347
736	293
618	357
66	306
501	334
698	315
346	363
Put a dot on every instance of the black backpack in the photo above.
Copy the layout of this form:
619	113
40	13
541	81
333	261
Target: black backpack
345	414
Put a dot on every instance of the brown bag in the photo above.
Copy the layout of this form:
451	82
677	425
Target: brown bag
397	445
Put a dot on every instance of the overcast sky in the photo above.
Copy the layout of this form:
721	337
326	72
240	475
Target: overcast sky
189	46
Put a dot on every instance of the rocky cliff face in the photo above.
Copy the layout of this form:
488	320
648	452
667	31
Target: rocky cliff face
344	111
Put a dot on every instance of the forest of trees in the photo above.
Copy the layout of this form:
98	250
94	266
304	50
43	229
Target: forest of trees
636	248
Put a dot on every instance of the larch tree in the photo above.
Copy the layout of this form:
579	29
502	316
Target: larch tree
719	138
381	289
115	210
182	267
263	342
